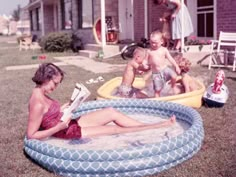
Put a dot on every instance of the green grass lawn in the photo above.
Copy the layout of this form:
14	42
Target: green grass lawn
217	157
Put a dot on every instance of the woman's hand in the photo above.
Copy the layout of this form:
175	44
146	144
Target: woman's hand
64	106
173	16
64	124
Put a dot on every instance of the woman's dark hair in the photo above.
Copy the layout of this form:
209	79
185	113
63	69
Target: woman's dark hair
46	72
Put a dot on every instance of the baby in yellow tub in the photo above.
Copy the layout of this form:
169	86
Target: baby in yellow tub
138	65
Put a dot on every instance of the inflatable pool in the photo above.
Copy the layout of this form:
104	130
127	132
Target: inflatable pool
192	99
132	154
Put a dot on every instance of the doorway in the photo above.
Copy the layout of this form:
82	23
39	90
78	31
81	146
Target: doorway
126	20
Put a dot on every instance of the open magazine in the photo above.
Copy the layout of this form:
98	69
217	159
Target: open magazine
79	95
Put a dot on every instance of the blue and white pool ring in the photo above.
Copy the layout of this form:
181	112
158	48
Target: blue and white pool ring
133	161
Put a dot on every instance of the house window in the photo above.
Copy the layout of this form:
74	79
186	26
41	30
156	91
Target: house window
66	11
85	16
31	21
38	19
35	19
205	18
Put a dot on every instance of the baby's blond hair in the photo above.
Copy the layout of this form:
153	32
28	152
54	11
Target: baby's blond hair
183	63
156	33
141	50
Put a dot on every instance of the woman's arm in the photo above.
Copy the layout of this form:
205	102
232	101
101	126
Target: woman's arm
36	112
178	6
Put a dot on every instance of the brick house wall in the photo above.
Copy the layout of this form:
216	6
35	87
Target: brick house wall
139	20
48	19
225	10
154	13
226	16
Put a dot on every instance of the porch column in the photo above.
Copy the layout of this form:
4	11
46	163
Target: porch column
42	18
55	17
182	26
103	23
146	19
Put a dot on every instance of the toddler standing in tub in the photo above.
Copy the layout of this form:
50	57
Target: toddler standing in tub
157	57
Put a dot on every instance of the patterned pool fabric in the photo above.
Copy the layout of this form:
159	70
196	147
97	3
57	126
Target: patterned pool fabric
131	161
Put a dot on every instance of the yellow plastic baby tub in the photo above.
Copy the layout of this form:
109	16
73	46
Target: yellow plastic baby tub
192	99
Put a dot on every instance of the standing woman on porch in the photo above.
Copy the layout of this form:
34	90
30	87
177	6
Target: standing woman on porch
176	20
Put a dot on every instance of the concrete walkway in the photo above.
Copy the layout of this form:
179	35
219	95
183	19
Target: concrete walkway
197	58
91	65
102	67
82	62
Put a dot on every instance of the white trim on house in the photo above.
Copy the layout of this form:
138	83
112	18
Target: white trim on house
55	15
146	19
132	19
103	22
126	19
215	19
42	18
182	27
32	5
193	10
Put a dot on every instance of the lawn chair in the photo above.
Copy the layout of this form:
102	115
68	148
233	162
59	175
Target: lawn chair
25	43
226	41
28	42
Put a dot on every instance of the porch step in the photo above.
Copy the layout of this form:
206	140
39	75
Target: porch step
88	53
93	47
91	50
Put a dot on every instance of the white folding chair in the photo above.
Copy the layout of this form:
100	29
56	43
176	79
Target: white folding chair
227	40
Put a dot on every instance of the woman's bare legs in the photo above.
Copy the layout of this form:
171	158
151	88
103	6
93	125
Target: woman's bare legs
177	44
94	124
105	116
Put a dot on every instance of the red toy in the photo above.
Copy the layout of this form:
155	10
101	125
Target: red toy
217	93
219	81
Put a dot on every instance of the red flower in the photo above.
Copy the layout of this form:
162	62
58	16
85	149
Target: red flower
193	37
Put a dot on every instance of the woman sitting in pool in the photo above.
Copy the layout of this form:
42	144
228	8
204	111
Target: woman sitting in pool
45	113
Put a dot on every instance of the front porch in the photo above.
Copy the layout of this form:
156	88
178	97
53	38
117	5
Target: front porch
110	51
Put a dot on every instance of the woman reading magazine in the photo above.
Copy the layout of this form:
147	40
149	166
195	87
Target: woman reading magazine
45	113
